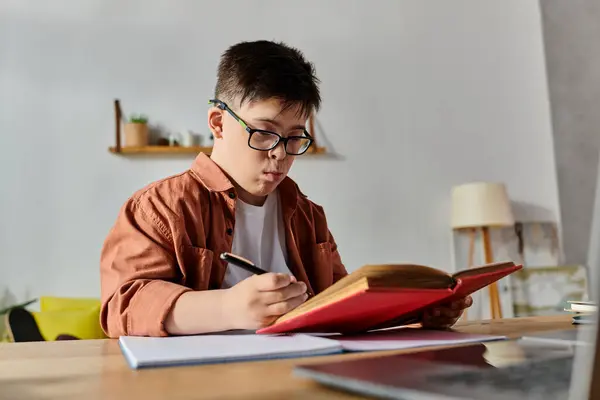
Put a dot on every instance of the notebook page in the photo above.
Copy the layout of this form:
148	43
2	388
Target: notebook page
408	338
199	349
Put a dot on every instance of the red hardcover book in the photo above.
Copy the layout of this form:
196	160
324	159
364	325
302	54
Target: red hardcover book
380	296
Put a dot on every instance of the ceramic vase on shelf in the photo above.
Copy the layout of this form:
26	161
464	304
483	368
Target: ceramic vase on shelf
187	138
175	139
136	132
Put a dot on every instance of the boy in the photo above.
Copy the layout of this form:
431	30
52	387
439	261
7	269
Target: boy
160	268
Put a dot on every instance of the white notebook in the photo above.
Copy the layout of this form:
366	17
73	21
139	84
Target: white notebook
141	352
409	338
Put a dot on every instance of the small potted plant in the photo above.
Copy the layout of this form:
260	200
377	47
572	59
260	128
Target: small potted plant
136	131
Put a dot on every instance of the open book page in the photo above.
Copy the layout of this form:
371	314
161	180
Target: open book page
494	267
373	277
408	276
327	296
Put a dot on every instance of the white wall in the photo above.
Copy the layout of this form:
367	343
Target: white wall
418	96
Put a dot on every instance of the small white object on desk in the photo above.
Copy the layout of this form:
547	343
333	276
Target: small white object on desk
582	307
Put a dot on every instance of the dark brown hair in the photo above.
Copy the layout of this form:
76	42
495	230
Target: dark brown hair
260	70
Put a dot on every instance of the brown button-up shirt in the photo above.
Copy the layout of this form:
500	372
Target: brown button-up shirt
168	237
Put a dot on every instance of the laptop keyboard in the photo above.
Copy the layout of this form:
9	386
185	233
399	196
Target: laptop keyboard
544	378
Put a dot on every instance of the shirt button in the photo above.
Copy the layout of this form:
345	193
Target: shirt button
229	231
231	195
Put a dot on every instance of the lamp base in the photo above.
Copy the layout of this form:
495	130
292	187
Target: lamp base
494	294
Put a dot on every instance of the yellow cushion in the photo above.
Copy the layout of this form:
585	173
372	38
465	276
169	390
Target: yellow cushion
50	303
83	324
79	317
5	338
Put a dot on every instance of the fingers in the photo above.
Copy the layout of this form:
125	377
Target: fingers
438	322
444	312
462	303
286	306
468	301
459	305
292	290
443	318
446	315
271	281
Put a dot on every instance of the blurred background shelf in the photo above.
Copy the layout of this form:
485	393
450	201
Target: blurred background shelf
150	149
166	150
161	150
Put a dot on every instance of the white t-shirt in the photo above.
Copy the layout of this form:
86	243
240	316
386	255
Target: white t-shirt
258	236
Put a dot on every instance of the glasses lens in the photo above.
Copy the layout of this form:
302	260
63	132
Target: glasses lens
297	145
263	140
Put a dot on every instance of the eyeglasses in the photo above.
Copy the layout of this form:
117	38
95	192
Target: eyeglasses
262	140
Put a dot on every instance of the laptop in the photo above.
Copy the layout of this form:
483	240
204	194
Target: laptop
543	366
492	371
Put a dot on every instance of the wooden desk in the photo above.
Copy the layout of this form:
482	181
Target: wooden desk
95	369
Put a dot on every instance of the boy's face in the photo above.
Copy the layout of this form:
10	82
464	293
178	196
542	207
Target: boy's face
257	173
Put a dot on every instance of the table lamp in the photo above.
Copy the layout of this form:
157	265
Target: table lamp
479	206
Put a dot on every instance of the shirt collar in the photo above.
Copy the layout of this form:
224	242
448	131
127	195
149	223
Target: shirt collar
213	177
210	174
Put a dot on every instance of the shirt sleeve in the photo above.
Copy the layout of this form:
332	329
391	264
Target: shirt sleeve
138	274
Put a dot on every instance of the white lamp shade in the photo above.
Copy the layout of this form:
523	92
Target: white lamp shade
481	204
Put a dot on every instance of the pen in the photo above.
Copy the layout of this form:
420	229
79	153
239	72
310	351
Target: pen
242	263
245	264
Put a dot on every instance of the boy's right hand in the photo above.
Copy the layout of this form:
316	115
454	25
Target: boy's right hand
259	300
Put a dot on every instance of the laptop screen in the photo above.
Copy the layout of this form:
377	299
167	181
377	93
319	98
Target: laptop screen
594	246
587	361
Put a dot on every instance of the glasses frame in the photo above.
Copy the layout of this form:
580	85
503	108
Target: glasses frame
223	106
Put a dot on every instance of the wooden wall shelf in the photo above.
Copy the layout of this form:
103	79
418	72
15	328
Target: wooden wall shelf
175	150
161	150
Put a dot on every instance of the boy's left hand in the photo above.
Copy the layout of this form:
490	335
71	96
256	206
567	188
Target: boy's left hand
446	315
